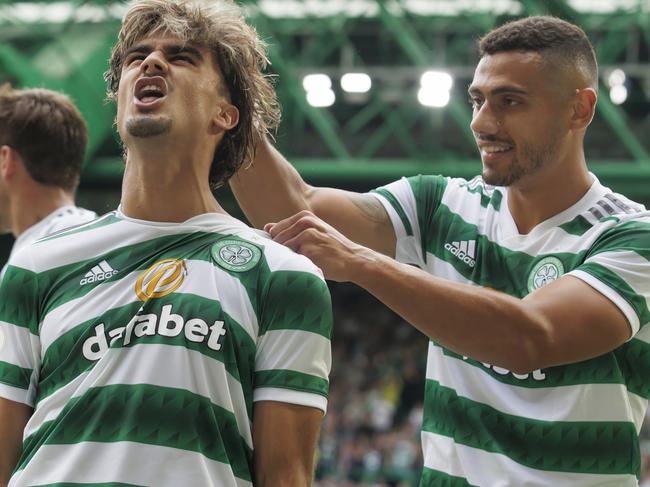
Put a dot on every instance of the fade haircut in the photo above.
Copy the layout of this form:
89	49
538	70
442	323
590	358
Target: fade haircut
558	41
47	131
218	25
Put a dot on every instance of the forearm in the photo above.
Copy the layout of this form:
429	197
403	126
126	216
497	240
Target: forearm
13	418
483	324
279	477
284	438
270	188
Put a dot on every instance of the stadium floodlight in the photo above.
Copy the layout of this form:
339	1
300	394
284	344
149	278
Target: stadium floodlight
356	83
618	94
321	98
616	77
433	98
435	89
437	80
316	82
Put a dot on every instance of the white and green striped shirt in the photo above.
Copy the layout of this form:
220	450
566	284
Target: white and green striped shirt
572	425
143	346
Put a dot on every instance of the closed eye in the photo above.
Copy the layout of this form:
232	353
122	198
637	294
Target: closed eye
181	57
134	57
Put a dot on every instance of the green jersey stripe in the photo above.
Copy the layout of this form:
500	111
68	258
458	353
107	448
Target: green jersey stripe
435	478
578	447
289	379
634	360
149	415
578	226
18	305
302	312
488	197
398	209
15	376
181	369
637	301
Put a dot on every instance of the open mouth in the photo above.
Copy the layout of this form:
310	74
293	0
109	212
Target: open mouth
148	91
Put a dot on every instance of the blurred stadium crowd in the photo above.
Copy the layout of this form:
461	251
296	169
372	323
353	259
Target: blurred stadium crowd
370	435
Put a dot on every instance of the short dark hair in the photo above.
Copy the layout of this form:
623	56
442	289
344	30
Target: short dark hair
48	132
552	37
239	53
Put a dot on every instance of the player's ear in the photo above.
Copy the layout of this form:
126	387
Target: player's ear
226	118
9	158
584	107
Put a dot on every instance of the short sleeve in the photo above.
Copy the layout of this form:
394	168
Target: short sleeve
618	266
293	358
411	204
19	341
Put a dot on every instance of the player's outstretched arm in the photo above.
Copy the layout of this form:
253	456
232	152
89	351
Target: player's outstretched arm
284	441
271	189
13	418
564	322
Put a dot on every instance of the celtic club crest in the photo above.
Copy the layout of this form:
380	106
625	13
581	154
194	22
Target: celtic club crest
545	271
236	255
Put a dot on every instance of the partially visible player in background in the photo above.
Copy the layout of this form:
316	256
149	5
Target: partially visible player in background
42	144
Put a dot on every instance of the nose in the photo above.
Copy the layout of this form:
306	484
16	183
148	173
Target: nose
484	122
154	63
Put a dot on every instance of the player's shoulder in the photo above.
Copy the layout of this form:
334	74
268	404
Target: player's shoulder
245	246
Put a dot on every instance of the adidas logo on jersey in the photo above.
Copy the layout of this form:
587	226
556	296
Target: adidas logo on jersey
100	272
465	250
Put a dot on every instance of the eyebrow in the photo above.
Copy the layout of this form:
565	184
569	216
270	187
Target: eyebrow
473	90
171	50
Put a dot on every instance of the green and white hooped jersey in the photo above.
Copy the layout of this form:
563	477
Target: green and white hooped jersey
143	346
573	425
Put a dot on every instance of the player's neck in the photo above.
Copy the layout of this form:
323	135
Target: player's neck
166	188
547	193
33	204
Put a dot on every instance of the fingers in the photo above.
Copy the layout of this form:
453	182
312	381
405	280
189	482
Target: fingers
289	228
275	228
301	240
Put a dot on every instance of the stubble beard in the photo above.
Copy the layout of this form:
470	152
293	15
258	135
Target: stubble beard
148	125
529	162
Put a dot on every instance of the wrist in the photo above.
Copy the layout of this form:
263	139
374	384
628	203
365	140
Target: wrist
365	266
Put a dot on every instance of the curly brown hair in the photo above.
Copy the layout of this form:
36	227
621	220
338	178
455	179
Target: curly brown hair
557	40
48	132
237	49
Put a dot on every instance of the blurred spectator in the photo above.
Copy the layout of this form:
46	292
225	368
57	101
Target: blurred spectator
370	436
